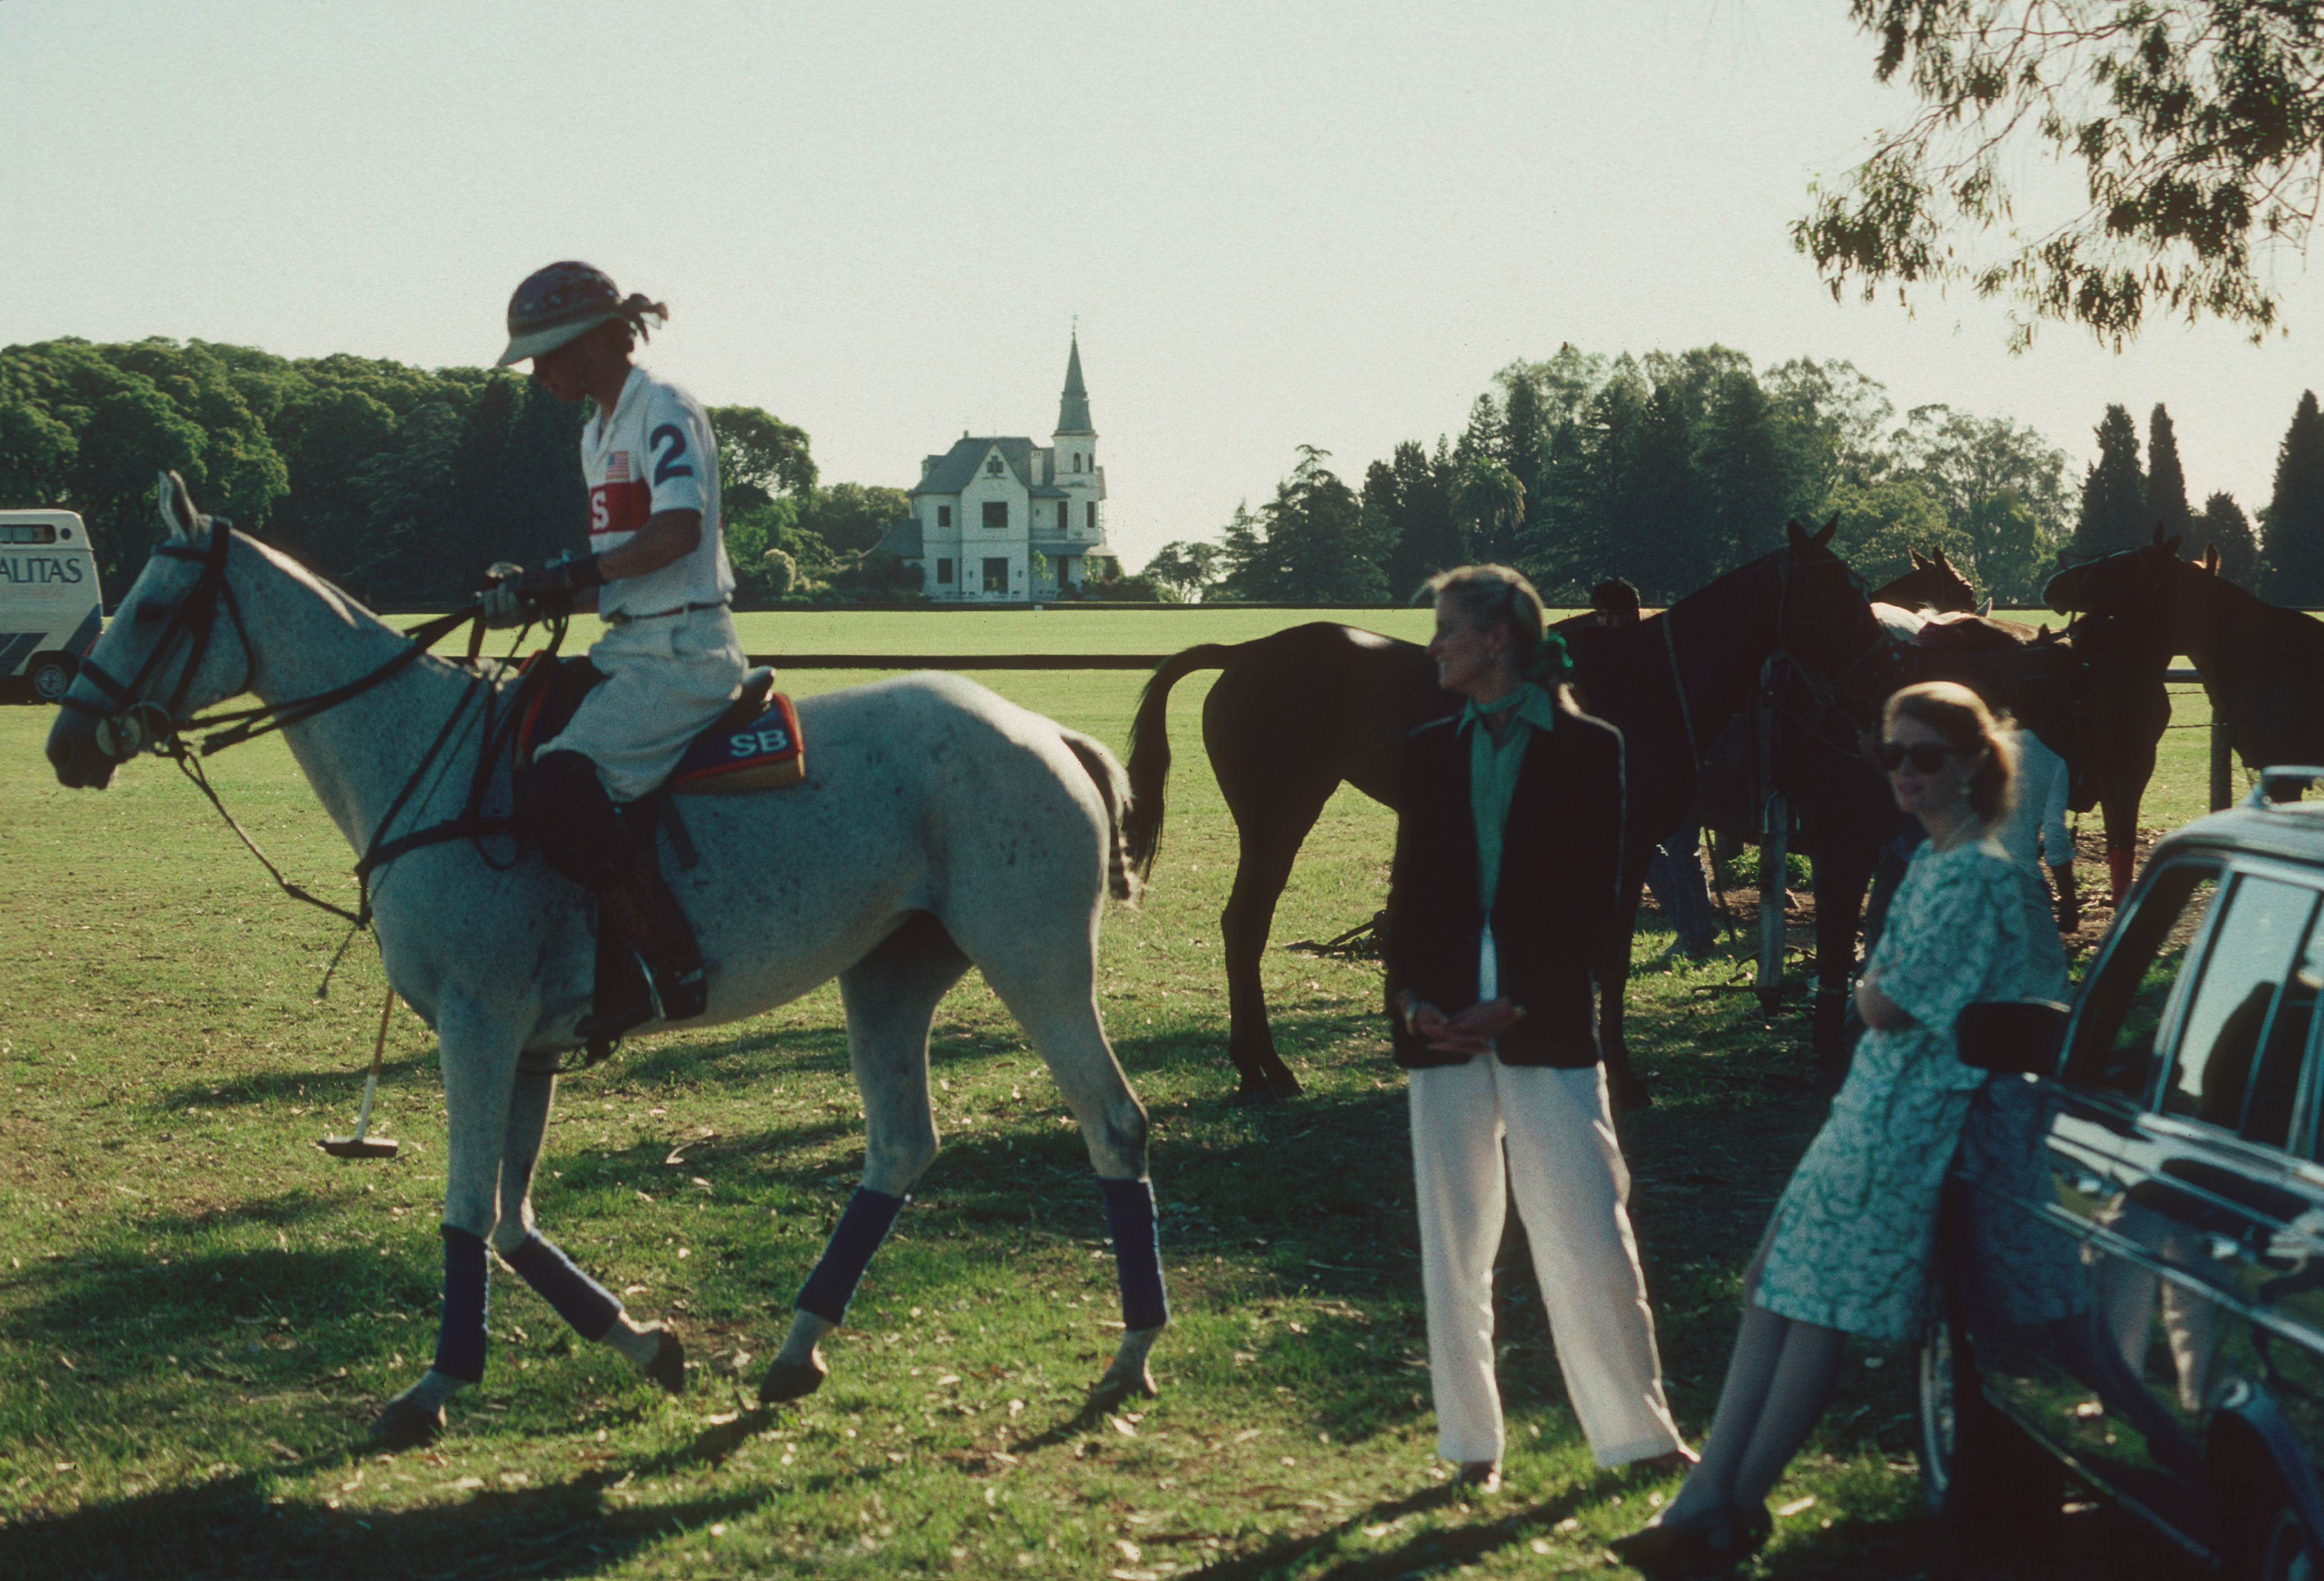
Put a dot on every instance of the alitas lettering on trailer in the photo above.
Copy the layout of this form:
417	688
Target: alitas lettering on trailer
27	569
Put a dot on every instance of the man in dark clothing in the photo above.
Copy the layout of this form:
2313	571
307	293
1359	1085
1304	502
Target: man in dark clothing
1674	872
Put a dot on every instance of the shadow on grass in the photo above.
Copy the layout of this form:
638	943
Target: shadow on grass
232	1527
1436	1548
2093	1543
323	1085
118	1316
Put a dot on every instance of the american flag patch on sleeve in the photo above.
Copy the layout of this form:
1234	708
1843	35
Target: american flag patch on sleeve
617	467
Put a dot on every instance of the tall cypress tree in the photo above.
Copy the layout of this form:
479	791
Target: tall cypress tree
2166	482
1659	512
1746	473
1523	447
2114	491
2295	511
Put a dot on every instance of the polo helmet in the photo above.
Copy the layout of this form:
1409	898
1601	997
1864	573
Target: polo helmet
559	304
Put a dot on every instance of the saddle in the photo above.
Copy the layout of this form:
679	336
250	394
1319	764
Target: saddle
754	745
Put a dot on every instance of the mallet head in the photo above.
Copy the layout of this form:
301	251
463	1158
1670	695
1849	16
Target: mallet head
357	1146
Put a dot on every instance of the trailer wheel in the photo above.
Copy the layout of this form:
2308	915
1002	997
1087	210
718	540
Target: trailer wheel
52	675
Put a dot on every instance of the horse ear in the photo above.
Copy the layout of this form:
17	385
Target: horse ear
1796	534
2170	544
1823	537
2158	536
2211	560
176	505
1985	609
1920	560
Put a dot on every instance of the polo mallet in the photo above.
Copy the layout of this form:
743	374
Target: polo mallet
360	1145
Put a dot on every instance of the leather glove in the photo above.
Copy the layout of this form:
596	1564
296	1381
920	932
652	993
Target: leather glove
517	595
500	602
552	588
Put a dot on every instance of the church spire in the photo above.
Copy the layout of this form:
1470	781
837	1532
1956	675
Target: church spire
1073	407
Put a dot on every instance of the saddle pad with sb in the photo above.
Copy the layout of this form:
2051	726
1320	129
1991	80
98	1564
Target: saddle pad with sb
754	745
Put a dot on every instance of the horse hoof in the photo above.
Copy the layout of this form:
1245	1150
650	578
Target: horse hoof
1251	1098
405	1426
788	1381
1119	1384
668	1367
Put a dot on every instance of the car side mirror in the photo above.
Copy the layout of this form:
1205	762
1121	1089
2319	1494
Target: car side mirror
2014	1035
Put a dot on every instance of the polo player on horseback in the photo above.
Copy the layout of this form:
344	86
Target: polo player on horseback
658	575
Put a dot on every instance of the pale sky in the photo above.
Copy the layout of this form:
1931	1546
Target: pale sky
1278	225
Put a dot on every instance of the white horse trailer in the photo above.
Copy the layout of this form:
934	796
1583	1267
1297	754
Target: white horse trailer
49	604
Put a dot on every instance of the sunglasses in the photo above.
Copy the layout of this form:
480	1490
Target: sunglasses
1927	757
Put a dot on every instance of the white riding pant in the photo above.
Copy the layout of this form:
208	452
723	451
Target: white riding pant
667	678
1572	1185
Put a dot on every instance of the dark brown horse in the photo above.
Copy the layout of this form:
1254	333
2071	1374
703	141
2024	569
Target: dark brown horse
1933	583
1797	739
1298	714
2262	665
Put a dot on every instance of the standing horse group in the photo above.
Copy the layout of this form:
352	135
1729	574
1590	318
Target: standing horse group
1792	632
2262	665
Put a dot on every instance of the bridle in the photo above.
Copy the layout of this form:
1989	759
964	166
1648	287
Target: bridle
1788	561
135	722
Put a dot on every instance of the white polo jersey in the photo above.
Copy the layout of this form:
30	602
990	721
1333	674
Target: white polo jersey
655	452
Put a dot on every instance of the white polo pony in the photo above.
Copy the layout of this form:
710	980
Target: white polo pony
939	827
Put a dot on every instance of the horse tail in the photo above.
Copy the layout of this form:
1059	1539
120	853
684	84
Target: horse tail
1121	881
1149	747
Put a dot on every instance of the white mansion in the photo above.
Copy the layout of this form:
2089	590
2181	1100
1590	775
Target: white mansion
1004	519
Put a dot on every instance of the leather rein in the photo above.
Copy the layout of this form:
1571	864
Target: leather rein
136	722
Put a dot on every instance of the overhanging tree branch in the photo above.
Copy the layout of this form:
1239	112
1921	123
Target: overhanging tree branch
2199	127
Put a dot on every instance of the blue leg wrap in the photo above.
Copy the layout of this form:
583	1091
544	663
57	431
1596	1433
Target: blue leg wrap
1137	1252
869	1216
467	1293
578	1298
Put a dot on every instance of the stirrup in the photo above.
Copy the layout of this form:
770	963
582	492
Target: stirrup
684	992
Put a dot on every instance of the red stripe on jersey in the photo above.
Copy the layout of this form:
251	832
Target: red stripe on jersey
619	507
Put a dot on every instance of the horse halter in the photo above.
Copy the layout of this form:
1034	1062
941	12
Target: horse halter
1877	668
135	722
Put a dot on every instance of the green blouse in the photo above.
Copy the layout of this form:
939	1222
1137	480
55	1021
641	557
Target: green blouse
1493	766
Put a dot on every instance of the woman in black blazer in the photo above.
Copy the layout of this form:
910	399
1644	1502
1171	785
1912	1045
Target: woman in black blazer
1507	853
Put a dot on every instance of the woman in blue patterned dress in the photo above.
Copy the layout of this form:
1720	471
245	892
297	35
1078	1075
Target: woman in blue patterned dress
1848	1248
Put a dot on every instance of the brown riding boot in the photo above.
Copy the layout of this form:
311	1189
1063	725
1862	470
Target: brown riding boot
636	910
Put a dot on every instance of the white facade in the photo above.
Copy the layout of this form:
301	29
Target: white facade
1007	520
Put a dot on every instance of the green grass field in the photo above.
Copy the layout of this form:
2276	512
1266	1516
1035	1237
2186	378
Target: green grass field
199	1312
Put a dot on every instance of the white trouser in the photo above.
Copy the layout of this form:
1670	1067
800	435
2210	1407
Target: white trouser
1571	1186
667	679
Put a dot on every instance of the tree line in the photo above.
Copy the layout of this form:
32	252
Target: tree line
1667	469
2279	554
400	483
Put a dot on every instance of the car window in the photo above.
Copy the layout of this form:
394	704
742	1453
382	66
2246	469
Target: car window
2123	1013
2287	1043
2218	1066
